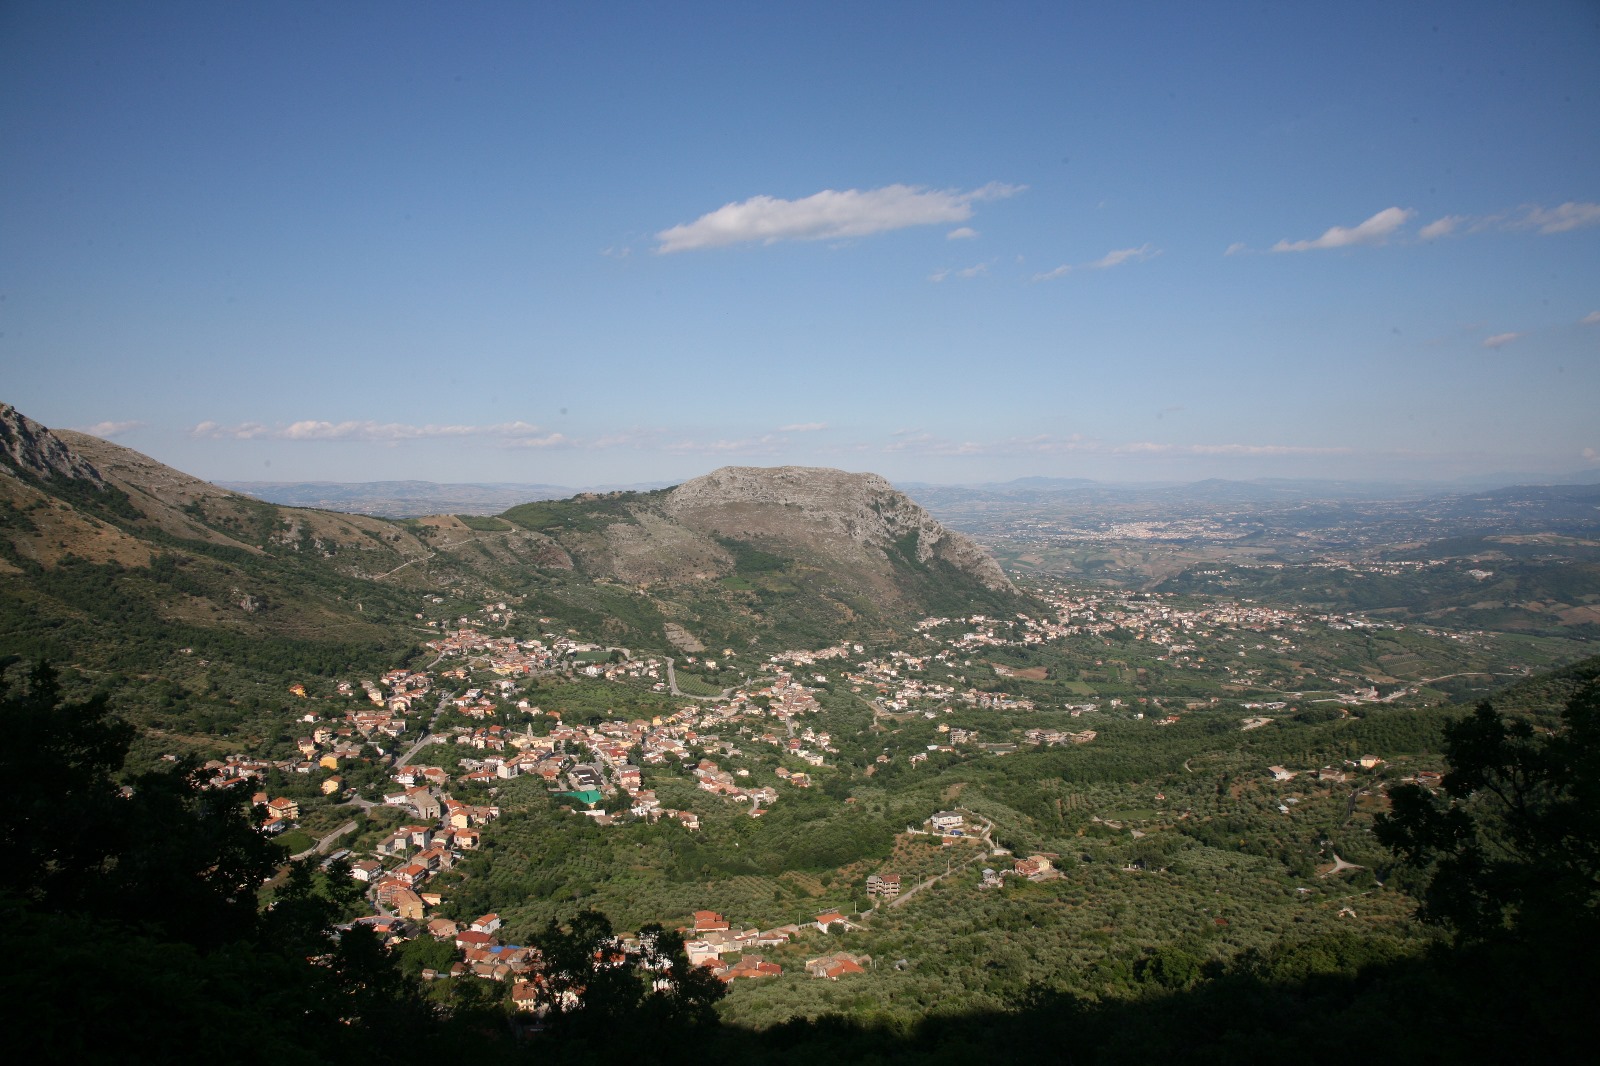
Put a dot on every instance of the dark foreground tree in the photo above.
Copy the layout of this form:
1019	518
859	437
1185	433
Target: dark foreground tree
131	918
601	987
1513	844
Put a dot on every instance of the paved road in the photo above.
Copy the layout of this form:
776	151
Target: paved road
321	847
988	842
672	686
914	889
427	735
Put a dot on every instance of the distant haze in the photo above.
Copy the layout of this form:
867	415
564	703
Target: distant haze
409	499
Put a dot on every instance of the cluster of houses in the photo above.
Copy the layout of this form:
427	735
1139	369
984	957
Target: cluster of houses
710	942
326	747
897	694
1054	737
280	813
506	656
710	778
1033	868
405	688
419	852
712	938
1168	629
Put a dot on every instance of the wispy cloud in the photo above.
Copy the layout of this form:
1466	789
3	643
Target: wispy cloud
964	233
975	271
1375	230
1236	248
383	432
548	440
1442	227
1125	255
1590	319
1111	259
1500	340
924	443
1560	219
765	444
1152	448
1568	216
107	430
1591	455
828	215
510	435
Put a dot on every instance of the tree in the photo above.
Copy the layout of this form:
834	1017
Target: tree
161	851
1514	842
601	988
170	873
62	830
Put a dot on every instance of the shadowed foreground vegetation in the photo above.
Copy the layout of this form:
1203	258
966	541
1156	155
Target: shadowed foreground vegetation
134	929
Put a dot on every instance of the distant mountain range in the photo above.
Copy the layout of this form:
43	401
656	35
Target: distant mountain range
1219	489
413	499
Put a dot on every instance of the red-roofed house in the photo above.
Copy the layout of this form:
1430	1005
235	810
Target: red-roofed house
709	921
472	938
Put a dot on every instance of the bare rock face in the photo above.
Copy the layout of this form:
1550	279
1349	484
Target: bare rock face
27	446
856	519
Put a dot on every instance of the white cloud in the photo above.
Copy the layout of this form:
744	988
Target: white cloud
1049	275
828	215
1568	216
1374	230
1235	248
803	427
1591	455
1590	319
107	430
217	431
1442	227
965	233
1500	340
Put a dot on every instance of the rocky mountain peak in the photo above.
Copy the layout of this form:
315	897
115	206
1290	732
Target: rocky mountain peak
845	514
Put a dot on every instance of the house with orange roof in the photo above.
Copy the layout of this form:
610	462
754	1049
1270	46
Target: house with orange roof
828	919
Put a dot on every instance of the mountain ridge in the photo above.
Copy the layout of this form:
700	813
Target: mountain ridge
111	542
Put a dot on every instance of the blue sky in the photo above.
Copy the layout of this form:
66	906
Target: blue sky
581	244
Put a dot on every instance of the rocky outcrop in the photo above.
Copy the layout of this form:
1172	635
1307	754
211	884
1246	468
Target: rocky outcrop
833	515
30	448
